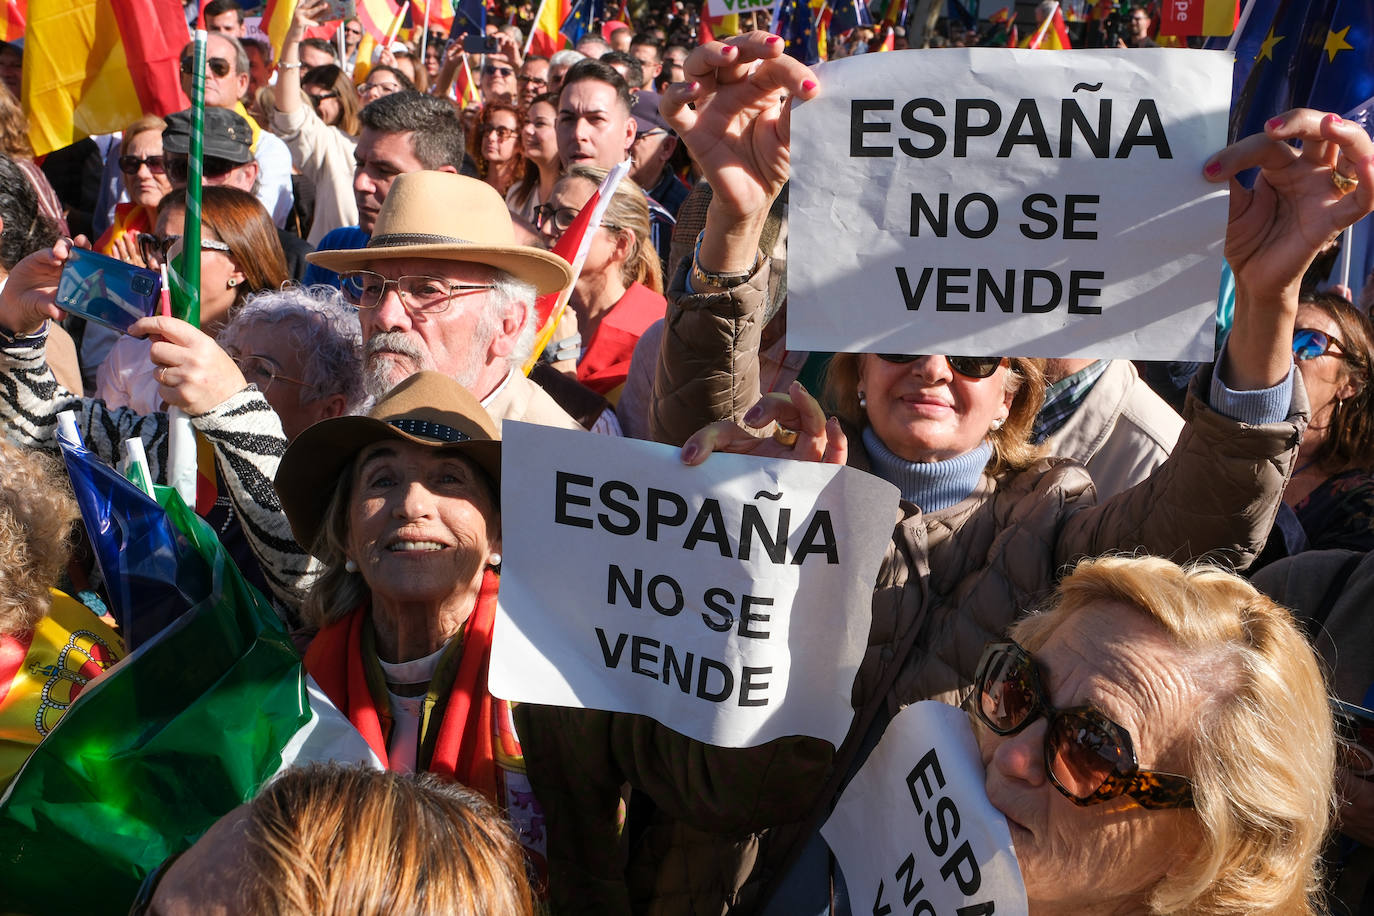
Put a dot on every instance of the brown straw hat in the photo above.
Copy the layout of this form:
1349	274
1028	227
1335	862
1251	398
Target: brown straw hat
451	218
428	408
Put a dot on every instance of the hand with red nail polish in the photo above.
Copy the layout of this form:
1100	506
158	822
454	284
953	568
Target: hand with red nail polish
738	130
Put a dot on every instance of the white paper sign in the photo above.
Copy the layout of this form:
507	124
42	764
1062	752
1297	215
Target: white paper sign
730	601
717	8
1018	203
914	831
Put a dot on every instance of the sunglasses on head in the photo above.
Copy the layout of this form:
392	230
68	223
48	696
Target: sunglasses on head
967	366
218	66
1088	757
130	165
1309	343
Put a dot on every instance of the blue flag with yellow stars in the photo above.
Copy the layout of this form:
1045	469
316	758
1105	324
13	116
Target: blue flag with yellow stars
798	27
1315	53
579	20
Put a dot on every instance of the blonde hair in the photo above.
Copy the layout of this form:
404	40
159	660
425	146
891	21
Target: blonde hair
1262	755
628	209
329	840
37	515
1012	449
143	125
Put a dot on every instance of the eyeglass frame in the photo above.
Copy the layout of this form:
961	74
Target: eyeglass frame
273	375
959	365
454	289
317	97
493	70
1150	789
156	164
544	212
369	88
1331	341
147	888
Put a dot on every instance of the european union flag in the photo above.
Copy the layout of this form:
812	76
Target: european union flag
469	18
846	15
956	10
152	570
1315	54
580	20
795	24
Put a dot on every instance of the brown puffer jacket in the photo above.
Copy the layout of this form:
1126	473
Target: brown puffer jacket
723	823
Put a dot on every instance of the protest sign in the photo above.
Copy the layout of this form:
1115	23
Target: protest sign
729	601
717	8
914	831
997	202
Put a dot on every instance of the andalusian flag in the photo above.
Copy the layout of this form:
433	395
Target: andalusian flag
93	66
171	739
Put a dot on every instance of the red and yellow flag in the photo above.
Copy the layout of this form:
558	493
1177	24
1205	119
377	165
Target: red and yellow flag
93	66
12	16
1181	18
545	39
1052	35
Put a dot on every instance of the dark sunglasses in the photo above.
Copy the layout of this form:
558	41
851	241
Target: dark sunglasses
489	70
179	167
1089	758
967	366
217	66
130	165
155	247
1309	343
317	97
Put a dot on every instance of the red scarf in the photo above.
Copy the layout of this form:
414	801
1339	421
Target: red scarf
463	751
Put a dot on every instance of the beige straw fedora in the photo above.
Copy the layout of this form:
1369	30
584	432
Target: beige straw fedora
427	408
450	218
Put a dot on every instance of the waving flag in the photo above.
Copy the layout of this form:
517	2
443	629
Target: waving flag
469	18
847	15
573	246
1052	35
164	744
92	66
545	35
1314	54
12	16
1199	17
579	20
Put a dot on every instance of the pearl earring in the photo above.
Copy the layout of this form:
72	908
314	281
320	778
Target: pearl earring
997	424
350	566
863	401
495	561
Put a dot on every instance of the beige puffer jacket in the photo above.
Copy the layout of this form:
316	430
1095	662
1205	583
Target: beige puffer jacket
722	824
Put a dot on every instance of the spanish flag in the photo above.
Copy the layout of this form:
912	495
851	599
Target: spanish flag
12	16
93	66
545	37
1052	35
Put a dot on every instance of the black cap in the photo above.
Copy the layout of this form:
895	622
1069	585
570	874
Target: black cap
646	113
227	135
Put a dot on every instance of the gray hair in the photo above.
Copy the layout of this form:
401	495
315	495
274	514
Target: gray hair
321	326
565	58
510	294
240	55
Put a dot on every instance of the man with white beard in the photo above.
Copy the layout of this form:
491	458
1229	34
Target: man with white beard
443	285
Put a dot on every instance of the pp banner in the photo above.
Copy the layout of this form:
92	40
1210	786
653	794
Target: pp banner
730	601
1016	203
914	831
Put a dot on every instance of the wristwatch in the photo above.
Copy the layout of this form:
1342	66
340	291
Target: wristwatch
702	277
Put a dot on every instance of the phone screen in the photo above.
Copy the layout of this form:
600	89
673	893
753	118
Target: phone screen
106	290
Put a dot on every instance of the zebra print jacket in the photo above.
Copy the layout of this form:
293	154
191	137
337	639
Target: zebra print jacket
245	432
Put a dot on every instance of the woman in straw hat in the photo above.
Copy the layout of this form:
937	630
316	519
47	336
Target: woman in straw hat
401	508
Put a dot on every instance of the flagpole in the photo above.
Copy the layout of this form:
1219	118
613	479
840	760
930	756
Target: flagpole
1347	240
1240	27
396	24
1044	27
773	17
538	17
424	35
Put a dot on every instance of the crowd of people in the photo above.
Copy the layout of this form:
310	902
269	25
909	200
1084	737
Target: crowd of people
1147	612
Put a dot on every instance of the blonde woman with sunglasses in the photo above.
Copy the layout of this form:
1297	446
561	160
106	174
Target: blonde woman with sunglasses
985	528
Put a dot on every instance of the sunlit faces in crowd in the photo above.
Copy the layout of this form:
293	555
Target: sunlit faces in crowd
378	159
594	124
533	79
498	82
